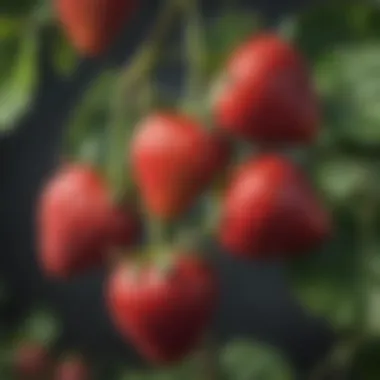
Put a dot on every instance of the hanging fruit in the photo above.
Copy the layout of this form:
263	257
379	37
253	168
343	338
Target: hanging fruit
271	210
93	25
174	160
164	311
266	94
79	223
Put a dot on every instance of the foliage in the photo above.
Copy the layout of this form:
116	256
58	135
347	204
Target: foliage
345	59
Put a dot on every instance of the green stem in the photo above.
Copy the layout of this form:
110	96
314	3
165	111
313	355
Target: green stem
148	55
147	95
160	233
116	161
195	50
141	66
156	233
195	53
195	89
211	217
145	98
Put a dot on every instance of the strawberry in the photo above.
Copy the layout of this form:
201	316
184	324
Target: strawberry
267	95
93	25
31	361
72	369
79	223
270	209
173	161
163	312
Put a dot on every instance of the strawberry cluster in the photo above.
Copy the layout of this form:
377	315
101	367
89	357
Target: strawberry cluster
163	298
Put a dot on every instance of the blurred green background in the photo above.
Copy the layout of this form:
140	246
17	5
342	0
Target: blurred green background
341	40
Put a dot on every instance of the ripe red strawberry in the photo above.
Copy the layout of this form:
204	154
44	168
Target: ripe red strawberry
72	369
79	223
31	361
270	210
92	25
163	312
174	160
267	95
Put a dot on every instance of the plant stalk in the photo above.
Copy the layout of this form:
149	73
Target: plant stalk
195	90
195	57
123	104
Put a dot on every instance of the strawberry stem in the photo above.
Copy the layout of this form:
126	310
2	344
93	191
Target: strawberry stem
145	99
195	53
195	50
212	214
195	90
141	66
160	234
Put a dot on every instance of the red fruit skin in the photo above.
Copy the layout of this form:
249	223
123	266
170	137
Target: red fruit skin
93	25
173	161
78	222
164	313
270	210
31	361
72	369
268	96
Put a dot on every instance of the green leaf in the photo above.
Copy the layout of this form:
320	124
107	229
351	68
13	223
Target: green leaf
348	81
10	31
341	178
90	119
19	7
41	326
17	91
242	360
345	56
64	55
10	27
343	22
323	280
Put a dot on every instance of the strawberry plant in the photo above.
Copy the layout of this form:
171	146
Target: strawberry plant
266	152
163	295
